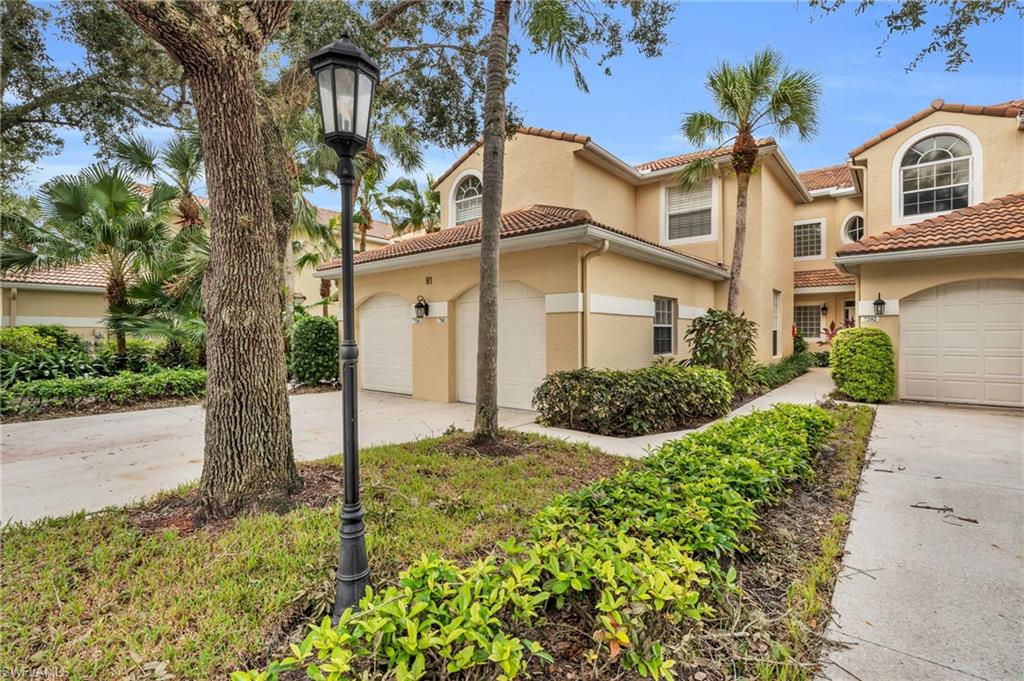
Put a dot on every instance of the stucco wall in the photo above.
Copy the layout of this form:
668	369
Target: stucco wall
80	312
834	211
609	199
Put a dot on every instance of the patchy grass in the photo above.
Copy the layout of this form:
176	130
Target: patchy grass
102	596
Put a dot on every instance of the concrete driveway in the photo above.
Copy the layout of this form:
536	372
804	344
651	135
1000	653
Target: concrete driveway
924	594
57	467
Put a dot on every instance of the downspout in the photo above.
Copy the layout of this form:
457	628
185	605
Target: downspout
585	287
864	203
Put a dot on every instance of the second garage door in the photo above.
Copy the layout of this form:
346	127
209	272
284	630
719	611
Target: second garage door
385	344
522	356
964	342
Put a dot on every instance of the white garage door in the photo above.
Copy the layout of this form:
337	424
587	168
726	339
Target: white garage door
522	355
964	342
385	344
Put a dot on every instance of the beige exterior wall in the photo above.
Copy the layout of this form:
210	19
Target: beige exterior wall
309	286
80	312
609	199
834	211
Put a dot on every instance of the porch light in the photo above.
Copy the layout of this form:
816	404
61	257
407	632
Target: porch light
824	309
879	305
422	307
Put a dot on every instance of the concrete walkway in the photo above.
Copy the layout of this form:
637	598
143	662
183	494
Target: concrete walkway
924	595
808	389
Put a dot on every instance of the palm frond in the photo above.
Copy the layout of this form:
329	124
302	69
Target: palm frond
695	174
700	126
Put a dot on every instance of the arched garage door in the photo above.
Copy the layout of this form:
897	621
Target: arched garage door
964	342
385	344
522	353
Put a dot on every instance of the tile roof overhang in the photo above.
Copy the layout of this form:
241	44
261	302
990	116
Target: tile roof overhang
828	181
1010	109
531	227
992	226
88	277
821	281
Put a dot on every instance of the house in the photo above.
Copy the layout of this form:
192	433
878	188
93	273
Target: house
76	296
604	263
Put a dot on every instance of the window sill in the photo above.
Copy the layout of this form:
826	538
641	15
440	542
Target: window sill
690	240
801	258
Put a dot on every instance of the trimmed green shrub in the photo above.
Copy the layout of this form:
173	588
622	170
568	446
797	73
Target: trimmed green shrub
139	353
314	357
22	341
65	340
863	365
773	375
723	340
799	344
74	393
178	353
821	357
626	555
636	402
41	366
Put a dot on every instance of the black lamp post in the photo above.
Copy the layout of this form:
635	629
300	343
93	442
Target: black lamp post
346	78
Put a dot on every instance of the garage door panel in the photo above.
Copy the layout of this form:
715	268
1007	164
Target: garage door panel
1004	367
1011	340
968	365
385	344
921	314
921	364
922	388
1008	393
920	339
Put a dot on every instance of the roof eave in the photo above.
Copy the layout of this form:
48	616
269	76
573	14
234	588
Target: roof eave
855	259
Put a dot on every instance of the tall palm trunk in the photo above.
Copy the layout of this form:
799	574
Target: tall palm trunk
325	294
485	428
744	156
117	301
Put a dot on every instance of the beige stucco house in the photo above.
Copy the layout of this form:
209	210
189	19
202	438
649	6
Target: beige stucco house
605	263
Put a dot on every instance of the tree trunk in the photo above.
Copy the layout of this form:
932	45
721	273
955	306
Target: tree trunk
485	428
325	295
282	190
736	266
117	299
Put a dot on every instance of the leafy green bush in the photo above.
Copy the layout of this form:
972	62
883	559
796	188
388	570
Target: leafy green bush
625	555
636	402
178	353
723	340
773	375
73	393
22	341
314	356
140	353
65	340
45	365
863	365
821	358
799	344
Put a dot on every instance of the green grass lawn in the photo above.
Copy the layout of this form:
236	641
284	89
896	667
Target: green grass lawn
97	598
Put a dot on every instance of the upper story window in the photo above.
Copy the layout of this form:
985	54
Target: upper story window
469	200
809	239
935	175
689	213
853	228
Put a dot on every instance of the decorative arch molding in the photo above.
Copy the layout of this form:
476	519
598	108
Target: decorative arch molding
468	172
957	280
977	186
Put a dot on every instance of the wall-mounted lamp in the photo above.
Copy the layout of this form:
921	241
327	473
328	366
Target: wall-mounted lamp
824	309
422	308
879	305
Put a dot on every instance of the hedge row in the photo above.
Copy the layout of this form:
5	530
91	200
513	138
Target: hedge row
637	402
773	375
626	554
74	393
864	365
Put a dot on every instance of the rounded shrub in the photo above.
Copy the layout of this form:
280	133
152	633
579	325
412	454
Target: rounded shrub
23	341
863	365
314	356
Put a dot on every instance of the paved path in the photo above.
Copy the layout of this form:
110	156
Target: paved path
925	596
57	467
808	389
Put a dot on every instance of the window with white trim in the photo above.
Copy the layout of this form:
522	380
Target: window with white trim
849	312
807	319
807	241
935	175
853	230
664	326
688	212
469	200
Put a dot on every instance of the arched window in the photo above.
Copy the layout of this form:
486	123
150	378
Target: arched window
935	175
853	228
469	200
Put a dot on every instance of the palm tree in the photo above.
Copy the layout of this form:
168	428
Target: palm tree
414	210
317	252
96	216
763	95
179	165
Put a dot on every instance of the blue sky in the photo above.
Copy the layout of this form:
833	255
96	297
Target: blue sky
635	113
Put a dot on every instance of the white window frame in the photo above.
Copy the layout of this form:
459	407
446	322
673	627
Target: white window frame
716	201
975	188
671	325
776	323
842	226
850	305
817	311
455	187
822	226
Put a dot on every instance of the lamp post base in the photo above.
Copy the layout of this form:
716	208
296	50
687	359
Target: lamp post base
353	575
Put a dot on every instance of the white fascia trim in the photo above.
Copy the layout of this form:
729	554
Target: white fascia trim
690	311
612	162
823	289
627	307
555	303
656	254
832	192
866	308
977	186
63	288
790	171
929	253
78	322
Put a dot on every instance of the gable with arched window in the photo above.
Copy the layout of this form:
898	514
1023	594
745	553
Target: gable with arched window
936	175
468	199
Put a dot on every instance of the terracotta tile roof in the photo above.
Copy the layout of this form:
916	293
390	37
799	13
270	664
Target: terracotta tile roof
681	159
829	277
536	132
1008	109
380	230
994	221
827	177
84	274
529	220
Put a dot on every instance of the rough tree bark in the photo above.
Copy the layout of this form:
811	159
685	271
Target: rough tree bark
744	156
485	428
248	450
281	176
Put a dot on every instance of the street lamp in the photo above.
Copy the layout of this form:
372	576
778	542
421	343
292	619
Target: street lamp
345	80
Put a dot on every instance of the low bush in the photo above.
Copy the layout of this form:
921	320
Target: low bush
139	353
636	402
182	354
44	365
821	358
773	375
74	393
799	344
314	351
627	557
863	365
64	339
726	341
22	341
